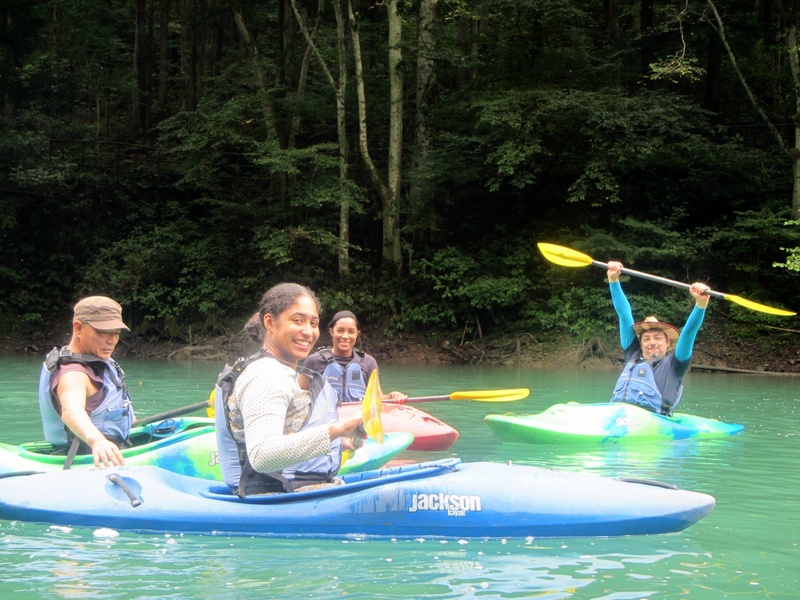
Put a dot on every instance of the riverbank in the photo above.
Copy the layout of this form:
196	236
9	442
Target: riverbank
763	350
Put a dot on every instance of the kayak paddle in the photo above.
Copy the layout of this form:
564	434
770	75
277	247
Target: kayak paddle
477	396
177	412
567	257
370	415
373	404
184	410
371	409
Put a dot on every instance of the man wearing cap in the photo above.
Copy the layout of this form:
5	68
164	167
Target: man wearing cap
82	391
656	354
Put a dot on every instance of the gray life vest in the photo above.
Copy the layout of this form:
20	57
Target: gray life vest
642	381
237	471
348	382
113	418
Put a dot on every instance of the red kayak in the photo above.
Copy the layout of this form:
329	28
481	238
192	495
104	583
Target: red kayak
429	432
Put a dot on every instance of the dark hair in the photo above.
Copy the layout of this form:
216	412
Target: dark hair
274	301
342	314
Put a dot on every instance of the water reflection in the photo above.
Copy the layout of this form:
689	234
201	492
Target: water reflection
71	564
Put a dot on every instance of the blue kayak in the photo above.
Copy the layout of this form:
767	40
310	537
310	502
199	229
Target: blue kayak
439	499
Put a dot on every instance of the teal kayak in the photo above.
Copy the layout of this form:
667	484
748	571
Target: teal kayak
442	499
574	423
188	446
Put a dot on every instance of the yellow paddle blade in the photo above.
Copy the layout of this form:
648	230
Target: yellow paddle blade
371	409
212	400
347	455
759	307
565	257
492	395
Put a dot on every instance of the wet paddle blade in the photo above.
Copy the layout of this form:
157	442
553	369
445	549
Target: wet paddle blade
212	401
565	257
759	307
371	409
492	395
347	455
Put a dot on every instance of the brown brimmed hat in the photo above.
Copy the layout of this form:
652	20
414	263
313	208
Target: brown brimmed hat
649	323
102	313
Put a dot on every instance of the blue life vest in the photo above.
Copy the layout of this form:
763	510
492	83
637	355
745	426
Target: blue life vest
113	418
349	383
637	384
237	471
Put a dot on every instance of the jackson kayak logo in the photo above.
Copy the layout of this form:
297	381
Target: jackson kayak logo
455	505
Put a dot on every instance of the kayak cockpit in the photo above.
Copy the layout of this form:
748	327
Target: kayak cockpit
352	482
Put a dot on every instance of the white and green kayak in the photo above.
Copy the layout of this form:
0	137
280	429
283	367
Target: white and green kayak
188	446
604	423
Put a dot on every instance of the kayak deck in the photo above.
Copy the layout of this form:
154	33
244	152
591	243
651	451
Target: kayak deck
144	439
187	446
574	423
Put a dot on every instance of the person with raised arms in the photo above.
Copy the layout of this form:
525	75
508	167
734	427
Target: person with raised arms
83	398
656	355
276	433
346	368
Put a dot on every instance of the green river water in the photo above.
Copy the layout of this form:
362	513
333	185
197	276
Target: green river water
748	547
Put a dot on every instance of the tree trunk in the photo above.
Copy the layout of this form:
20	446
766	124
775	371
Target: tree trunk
344	147
791	42
339	88
188	55
163	52
149	55
646	21
392	254
388	191
420	189
7	29
302	77
750	95
611	10
258	69
713	82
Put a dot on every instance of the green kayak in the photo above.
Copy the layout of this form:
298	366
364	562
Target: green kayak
188	446
605	423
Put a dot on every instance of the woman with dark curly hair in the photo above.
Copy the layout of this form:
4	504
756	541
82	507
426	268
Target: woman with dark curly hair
275	432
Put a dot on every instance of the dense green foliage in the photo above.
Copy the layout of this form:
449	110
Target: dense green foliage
188	184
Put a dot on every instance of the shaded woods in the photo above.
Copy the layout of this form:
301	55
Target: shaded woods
401	158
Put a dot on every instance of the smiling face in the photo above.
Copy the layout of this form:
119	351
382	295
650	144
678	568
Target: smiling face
88	340
292	334
654	343
344	334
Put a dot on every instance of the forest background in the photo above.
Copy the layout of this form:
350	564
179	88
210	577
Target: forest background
401	158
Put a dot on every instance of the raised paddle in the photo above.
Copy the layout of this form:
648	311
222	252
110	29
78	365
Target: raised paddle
476	396
567	257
